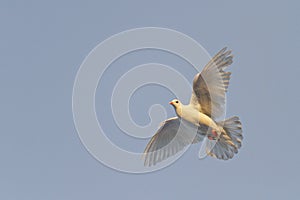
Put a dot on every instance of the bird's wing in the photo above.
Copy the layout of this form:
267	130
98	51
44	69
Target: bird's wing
172	137
210	86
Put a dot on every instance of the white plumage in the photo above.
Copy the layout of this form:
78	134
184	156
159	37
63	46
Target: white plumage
198	119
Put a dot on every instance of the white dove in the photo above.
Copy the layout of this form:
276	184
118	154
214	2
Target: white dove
207	103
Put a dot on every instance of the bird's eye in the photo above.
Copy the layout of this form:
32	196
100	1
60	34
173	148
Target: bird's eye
176	101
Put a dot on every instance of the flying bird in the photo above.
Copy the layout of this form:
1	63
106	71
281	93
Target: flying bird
198	120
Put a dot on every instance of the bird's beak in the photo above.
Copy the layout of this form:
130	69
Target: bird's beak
171	103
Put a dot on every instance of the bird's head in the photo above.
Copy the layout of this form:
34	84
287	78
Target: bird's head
175	103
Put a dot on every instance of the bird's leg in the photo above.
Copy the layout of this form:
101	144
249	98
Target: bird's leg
213	135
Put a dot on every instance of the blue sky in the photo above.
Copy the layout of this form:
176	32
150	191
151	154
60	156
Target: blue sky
42	47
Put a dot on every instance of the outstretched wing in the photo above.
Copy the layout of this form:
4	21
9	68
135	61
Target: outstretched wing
210	86
170	138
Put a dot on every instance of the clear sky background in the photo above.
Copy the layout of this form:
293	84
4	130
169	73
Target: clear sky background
42	46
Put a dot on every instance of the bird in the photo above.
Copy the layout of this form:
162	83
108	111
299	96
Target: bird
198	120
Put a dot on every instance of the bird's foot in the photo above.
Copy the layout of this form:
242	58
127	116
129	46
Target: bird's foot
213	135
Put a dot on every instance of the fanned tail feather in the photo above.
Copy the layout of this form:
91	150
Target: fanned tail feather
229	141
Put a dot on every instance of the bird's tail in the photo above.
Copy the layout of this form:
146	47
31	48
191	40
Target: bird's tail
228	143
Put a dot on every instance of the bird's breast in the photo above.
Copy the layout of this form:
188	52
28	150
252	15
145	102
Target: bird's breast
189	114
195	117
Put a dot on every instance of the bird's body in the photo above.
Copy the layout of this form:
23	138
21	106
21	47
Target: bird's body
194	116
198	119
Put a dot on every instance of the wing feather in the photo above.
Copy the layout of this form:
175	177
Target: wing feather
210	86
172	136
